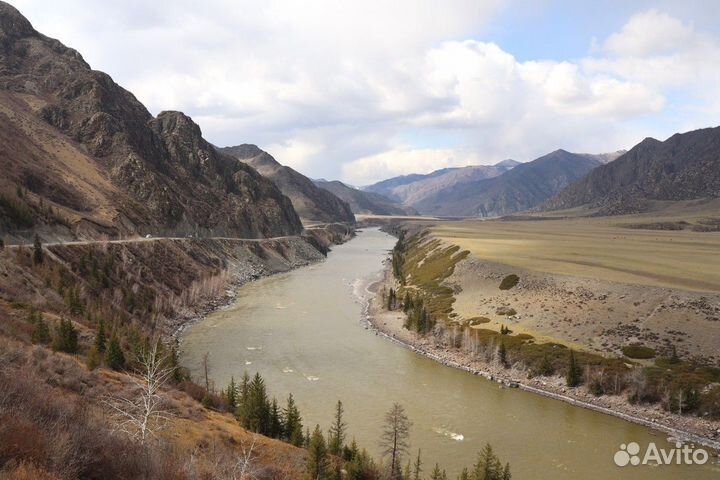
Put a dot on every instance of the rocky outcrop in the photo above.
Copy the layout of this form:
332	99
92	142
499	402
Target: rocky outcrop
686	166
310	201
118	166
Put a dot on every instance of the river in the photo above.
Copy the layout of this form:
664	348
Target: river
303	332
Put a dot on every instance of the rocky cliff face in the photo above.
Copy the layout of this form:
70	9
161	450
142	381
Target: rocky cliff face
85	157
684	167
310	201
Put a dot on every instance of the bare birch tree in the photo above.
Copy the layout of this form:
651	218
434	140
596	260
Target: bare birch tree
142	412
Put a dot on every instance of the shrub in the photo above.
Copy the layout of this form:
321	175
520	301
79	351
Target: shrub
509	282
639	352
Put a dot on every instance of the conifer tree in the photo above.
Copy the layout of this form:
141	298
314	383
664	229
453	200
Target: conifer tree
338	429
93	358
574	373
276	427
231	394
258	407
293	423
318	463
114	357
66	337
417	467
41	331
100	337
502	355
37	257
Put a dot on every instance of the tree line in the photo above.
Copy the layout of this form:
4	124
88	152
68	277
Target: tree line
329	453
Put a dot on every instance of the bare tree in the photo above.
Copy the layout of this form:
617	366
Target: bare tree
142	412
394	439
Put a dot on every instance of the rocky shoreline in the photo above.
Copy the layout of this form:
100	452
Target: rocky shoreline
389	324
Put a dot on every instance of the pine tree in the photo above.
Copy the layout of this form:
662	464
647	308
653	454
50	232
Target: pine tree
574	372
37	257
41	331
241	411
231	394
258	407
318	463
338	429
436	474
394	440
93	358
276	422
417	467
293	423
100	337
66	337
502	355
488	466
464	475
114	357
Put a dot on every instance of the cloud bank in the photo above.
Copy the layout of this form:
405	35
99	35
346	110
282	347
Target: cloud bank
365	90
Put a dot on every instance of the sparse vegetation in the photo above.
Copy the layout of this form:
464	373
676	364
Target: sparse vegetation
639	352
509	282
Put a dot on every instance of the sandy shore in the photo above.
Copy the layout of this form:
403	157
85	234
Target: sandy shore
389	324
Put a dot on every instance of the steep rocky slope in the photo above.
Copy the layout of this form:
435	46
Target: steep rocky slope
686	166
525	186
310	201
365	203
82	156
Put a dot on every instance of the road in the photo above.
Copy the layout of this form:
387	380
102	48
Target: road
151	239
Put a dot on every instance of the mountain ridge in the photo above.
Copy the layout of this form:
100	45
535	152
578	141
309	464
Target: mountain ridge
83	157
310	201
686	166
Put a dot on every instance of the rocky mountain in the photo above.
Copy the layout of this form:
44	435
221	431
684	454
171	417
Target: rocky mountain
412	190
686	166
310	201
81	156
524	186
365	203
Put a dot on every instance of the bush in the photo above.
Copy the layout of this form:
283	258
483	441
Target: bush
509	282
639	352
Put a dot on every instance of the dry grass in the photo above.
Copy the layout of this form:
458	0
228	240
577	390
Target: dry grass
599	248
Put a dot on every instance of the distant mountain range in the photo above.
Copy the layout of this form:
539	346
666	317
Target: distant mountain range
413	189
310	201
491	190
686	166
365	203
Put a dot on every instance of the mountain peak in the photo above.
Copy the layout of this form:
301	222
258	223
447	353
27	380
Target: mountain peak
13	24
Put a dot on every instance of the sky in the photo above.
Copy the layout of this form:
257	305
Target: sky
365	90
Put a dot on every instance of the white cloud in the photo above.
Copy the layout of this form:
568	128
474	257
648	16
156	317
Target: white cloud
335	89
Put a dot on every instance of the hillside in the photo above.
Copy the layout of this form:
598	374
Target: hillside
82	157
518	189
365	203
686	166
413	189
310	201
